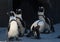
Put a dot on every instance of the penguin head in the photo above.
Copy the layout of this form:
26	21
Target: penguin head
18	11
11	13
41	9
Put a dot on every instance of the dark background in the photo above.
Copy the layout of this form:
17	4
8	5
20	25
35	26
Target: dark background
7	5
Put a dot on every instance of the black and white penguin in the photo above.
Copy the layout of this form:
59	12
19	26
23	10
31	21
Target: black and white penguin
20	22
13	27
39	26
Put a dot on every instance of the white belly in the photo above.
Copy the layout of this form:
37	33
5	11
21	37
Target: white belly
13	32
42	26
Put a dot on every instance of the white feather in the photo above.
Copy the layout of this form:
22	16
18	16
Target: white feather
13	31
20	16
43	25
